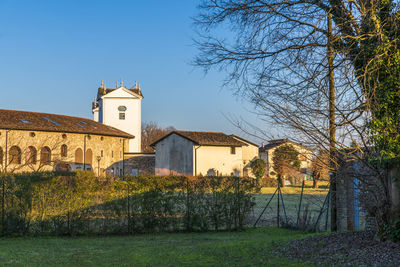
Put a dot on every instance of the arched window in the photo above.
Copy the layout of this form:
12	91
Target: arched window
64	151
31	155
1	156
45	155
89	156
78	155
15	155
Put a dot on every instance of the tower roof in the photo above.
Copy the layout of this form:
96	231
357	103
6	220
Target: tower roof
101	91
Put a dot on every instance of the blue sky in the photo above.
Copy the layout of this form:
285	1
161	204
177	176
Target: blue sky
54	54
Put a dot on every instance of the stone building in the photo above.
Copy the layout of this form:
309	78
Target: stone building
202	153
266	152
32	141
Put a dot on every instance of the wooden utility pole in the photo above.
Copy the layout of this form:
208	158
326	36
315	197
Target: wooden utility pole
332	127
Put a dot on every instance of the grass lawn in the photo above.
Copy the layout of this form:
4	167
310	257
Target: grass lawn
250	247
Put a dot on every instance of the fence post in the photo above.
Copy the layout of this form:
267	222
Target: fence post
128	207
301	198
327	214
279	191
3	205
187	205
238	223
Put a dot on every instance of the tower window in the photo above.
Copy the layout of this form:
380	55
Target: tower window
122	115
233	150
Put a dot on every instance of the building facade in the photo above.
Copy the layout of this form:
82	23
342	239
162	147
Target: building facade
266	152
31	141
200	153
120	108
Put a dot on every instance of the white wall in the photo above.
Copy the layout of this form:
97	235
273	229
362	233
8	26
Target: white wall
220	159
109	114
268	155
174	155
96	114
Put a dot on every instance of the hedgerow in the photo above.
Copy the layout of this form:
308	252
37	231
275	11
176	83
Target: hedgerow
79	203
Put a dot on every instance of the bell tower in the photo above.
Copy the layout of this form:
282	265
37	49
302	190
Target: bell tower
120	107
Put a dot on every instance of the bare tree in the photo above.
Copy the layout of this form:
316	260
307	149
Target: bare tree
283	56
151	131
320	167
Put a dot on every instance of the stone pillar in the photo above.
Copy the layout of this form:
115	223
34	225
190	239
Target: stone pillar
394	176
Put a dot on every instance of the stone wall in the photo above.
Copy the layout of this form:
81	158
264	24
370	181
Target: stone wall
139	163
362	194
104	154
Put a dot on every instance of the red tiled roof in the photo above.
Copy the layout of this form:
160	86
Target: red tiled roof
277	142
206	138
35	121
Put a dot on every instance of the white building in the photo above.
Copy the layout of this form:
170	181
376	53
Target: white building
201	153
120	107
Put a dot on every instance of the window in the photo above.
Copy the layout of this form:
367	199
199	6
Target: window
122	115
1	156
64	151
45	155
122	108
31	155
78	155
15	155
25	121
102	153
50	120
112	154
233	150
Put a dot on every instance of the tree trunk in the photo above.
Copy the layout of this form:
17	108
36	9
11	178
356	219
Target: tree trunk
315	183
332	127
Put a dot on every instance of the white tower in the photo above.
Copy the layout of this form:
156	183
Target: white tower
120	107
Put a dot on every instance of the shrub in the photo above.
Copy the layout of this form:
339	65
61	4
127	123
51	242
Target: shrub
79	203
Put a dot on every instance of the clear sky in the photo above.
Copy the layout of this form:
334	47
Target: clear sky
54	54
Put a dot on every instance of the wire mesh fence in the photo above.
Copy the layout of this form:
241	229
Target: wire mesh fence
305	209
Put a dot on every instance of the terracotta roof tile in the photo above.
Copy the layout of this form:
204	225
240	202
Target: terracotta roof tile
277	142
206	138
35	121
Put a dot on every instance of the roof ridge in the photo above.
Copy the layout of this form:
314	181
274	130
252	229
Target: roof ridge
198	132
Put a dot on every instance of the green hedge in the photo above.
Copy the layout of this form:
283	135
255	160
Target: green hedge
78	203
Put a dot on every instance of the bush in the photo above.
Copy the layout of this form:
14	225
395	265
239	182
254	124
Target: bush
79	203
270	182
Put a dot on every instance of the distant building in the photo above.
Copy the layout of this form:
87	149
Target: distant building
202	153
249	153
266	152
120	107
32	141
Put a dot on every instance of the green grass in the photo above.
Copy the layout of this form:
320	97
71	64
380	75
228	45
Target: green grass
312	198
250	247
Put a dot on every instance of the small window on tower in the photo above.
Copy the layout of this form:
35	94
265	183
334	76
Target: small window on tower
122	115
